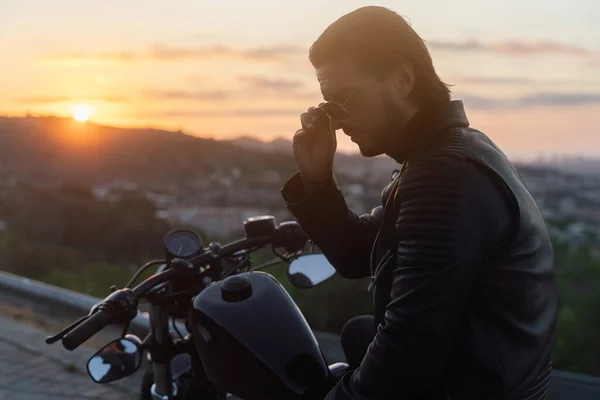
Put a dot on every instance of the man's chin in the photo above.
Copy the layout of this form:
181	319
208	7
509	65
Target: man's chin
368	149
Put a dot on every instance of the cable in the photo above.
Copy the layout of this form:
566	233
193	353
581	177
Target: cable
176	328
142	270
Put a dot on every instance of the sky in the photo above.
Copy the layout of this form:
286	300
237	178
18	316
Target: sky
528	72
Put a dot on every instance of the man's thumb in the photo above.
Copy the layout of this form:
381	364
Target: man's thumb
333	126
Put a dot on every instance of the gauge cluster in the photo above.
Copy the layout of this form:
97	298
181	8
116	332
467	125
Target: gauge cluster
182	243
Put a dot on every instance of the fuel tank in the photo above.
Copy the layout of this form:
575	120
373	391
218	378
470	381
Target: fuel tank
254	342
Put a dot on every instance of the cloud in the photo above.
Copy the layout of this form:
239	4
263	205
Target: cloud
471	101
264	83
252	112
167	52
183	95
512	47
544	99
64	99
497	80
288	89
500	80
273	52
163	52
252	87
595	63
560	99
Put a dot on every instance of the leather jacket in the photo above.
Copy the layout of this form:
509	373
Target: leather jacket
461	265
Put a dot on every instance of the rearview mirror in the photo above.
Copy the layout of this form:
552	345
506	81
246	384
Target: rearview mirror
310	270
117	360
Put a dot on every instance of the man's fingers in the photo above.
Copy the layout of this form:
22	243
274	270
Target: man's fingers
332	131
301	136
306	120
312	117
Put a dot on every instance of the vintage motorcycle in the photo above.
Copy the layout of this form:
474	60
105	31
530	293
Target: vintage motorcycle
245	337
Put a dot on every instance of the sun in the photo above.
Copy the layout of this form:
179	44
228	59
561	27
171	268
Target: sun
82	112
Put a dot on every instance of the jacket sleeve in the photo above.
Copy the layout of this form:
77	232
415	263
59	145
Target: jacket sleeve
344	237
443	228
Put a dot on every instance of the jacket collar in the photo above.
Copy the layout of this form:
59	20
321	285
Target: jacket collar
424	127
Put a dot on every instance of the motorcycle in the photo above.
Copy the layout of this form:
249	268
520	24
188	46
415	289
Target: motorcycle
245	336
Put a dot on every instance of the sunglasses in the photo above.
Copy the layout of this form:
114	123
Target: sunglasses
336	110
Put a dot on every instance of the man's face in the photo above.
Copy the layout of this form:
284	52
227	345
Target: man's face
376	106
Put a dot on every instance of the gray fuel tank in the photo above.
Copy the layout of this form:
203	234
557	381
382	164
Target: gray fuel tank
254	342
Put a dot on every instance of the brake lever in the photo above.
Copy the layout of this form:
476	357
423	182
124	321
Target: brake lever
274	261
61	334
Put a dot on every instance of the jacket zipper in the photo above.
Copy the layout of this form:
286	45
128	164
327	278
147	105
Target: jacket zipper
387	254
386	257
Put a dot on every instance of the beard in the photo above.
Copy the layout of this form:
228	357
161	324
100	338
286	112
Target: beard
385	132
369	150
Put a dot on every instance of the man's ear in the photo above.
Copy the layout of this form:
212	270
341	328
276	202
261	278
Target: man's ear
405	76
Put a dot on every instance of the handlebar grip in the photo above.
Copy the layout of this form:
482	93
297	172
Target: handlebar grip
291	236
86	329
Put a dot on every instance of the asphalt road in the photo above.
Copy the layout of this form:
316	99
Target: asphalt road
32	370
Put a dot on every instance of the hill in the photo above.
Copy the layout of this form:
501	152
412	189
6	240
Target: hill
250	142
48	149
54	148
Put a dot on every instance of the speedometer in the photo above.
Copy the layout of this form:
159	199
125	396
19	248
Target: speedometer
182	243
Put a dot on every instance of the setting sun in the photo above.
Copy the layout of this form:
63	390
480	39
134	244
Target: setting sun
82	112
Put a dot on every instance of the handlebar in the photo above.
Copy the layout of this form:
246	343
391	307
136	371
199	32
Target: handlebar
230	248
86	329
287	234
121	305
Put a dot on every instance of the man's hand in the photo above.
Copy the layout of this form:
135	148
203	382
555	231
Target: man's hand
314	148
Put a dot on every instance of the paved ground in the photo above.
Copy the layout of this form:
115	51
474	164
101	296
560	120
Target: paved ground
32	370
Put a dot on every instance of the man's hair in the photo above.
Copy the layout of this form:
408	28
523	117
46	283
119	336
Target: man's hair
378	40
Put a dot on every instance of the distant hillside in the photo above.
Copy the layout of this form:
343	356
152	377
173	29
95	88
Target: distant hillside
275	145
57	148
351	164
50	148
574	165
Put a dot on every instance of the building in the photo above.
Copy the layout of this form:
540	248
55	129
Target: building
223	222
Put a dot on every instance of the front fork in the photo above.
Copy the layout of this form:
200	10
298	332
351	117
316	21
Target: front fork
164	388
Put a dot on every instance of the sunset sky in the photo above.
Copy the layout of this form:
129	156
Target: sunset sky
528	72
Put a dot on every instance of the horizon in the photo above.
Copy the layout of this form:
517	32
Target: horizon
530	79
532	159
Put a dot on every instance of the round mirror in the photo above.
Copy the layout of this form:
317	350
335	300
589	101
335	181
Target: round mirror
117	360
310	270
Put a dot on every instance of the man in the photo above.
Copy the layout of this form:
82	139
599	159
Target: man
461	263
